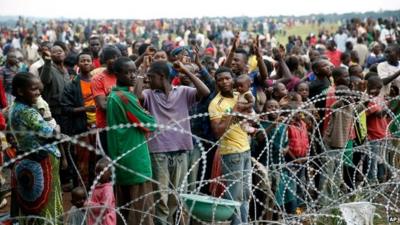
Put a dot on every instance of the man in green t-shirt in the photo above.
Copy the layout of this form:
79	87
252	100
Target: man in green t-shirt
127	147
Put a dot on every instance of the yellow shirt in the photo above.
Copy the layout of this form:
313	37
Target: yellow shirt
252	63
234	140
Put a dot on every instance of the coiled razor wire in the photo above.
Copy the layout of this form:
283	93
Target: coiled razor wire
384	195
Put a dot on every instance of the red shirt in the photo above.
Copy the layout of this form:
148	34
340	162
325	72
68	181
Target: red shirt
334	57
298	139
102	84
313	41
2	122
176	81
330	100
3	98
376	126
102	204
96	63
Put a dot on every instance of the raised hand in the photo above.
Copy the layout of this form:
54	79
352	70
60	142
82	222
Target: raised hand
180	67
150	51
196	56
256	47
147	61
236	41
46	55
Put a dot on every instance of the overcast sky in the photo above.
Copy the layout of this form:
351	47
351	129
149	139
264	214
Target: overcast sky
146	9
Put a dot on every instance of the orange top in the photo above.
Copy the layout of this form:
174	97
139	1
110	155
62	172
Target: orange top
88	100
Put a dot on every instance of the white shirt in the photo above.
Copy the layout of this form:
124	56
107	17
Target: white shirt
385	70
386	34
340	40
16	43
200	37
34	68
353	40
41	104
31	52
362	51
51	34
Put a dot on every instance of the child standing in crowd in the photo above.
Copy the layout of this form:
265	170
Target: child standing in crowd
270	147
77	214
303	90
280	93
299	148
275	134
377	130
79	108
101	205
339	135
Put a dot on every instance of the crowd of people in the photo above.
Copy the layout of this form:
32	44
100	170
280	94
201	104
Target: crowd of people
127	116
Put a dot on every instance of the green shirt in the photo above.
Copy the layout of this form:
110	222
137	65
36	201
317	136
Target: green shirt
128	145
395	124
277	142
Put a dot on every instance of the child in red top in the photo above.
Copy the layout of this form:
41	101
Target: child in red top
299	147
376	115
377	128
298	137
101	205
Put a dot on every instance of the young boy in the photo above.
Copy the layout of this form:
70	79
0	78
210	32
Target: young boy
270	148
376	129
303	90
299	148
79	107
338	137
77	215
356	70
101	204
280	93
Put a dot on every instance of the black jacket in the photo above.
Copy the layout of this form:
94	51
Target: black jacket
54	82
72	98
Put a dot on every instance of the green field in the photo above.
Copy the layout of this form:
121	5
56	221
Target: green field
304	30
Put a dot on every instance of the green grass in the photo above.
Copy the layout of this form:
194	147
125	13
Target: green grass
305	30
302	30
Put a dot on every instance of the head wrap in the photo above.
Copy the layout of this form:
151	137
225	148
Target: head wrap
178	50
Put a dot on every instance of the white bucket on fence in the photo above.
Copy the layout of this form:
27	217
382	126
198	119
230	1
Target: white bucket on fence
358	213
